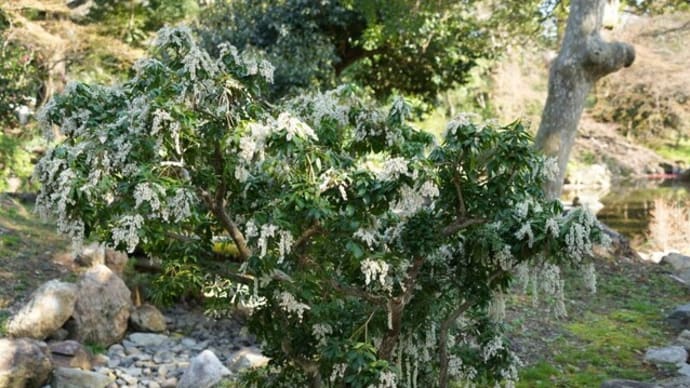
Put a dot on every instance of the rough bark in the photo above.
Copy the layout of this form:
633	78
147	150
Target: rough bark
584	58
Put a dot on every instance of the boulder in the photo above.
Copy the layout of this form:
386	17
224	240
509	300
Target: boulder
102	309
90	255
204	371
247	359
669	355
70	354
24	362
147	318
675	382
77	378
626	384
677	261
116	261
47	310
679	318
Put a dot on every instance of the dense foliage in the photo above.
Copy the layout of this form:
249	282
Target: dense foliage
417	48
368	255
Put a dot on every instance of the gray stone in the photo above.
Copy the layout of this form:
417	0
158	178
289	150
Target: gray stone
146	340
247	359
24	363
77	378
683	339
169	383
116	261
147	318
70	354
91	255
670	355
204	371
677	261
103	307
675	382
679	318
163	357
684	370
626	384
49	307
188	342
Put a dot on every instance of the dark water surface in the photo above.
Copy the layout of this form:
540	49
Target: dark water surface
628	205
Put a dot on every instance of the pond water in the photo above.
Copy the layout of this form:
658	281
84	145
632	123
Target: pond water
627	206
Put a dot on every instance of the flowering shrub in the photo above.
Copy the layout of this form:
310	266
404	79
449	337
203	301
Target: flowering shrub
369	255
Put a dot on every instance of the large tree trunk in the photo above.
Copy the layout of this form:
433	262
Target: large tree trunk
584	58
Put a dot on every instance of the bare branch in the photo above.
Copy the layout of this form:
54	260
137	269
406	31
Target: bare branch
460	224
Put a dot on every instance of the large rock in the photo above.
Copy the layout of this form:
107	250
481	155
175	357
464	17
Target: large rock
147	318
679	318
90	255
102	309
204	371
116	261
23	363
675	382
677	261
77	378
47	310
669	355
70	354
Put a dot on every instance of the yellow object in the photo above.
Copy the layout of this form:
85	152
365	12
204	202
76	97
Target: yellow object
225	248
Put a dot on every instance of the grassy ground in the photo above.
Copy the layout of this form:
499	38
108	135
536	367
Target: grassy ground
606	334
27	252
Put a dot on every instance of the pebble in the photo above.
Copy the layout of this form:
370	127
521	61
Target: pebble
145	360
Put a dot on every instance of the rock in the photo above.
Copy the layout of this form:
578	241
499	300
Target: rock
204	371
247	359
23	363
147	318
59	335
626	384
146	340
670	355
116	261
675	382
684	370
677	261
91	255
679	318
77	378
70	354
683	277
103	307
47	310
683	339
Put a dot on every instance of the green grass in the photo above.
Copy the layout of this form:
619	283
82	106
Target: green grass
608	333
673	153
4	317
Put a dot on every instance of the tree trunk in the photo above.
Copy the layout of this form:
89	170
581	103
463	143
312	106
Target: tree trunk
584	58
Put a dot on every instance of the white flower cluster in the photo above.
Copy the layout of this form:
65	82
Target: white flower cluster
368	236
411	201
492	348
320	331
127	231
370	122
290	305
387	379
497	307
461	120
526	231
578	242
375	270
147	192
392	169
552	227
338	372
589	275
553	285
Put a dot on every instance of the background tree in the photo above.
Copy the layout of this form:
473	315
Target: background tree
584	58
